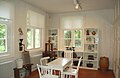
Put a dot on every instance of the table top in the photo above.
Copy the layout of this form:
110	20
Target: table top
61	62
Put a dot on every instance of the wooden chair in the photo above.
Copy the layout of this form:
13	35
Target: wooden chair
46	72
44	60
49	50
72	71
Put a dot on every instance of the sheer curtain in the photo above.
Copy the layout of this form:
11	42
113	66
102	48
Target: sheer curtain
36	19
7	19
36	22
72	22
6	10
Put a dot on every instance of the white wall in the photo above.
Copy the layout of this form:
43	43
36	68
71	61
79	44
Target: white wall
101	19
116	56
7	65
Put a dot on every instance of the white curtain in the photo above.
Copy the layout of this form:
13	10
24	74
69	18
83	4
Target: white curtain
36	19
70	22
6	10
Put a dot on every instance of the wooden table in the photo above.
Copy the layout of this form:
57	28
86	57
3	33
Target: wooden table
60	64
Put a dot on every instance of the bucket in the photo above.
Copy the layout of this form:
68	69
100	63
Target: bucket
19	63
104	63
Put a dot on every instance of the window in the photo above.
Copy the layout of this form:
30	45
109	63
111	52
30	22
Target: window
35	23
73	38
78	38
6	36
71	25
67	38
3	37
33	38
37	38
6	29
29	38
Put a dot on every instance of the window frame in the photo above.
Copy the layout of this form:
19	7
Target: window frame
7	14
73	39
32	32
33	36
78	38
40	33
6	38
9	38
36	20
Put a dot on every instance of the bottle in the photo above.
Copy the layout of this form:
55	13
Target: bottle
89	47
87	32
93	33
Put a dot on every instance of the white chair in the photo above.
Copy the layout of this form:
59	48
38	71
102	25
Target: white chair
68	54
46	72
72	71
44	60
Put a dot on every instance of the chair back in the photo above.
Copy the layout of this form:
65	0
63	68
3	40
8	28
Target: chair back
44	60
42	70
68	54
79	63
38	67
46	70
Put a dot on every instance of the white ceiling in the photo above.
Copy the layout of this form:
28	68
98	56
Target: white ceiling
59	6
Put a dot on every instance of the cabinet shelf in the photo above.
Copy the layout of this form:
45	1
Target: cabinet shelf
76	59
85	59
88	68
94	52
91	42
90	60
91	35
53	34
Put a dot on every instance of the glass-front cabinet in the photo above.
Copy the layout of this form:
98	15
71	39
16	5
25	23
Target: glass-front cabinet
91	40
91	49
53	35
84	41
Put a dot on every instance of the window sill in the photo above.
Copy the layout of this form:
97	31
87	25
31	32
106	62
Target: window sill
6	57
35	50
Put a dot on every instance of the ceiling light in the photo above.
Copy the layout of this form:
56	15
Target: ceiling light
77	4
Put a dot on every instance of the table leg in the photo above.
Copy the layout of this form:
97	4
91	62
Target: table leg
62	76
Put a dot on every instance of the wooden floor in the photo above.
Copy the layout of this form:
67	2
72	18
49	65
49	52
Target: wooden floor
85	73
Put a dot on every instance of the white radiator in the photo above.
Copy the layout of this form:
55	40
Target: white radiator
35	59
6	69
